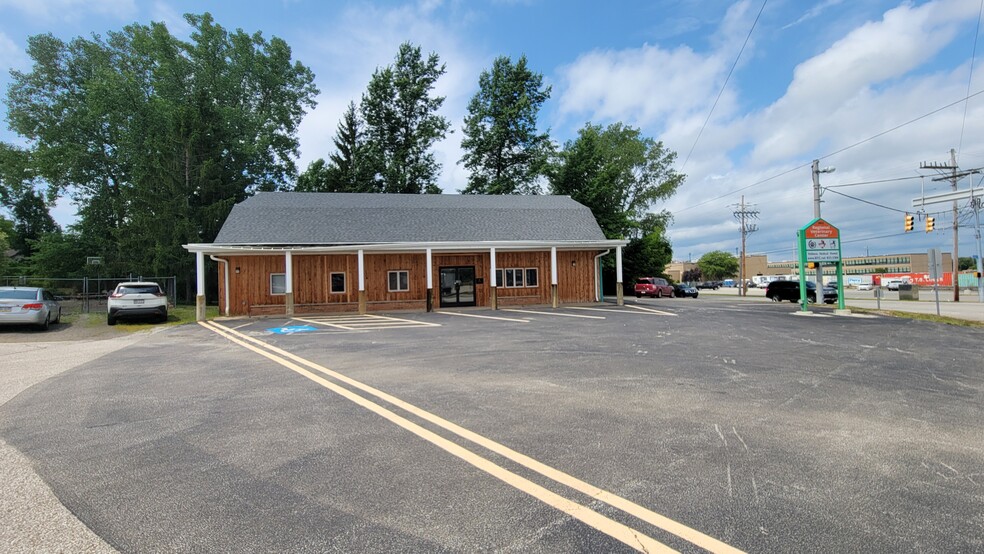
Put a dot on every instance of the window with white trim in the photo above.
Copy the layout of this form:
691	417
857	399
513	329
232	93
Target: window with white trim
337	282
514	277
517	277
278	284
532	277
399	280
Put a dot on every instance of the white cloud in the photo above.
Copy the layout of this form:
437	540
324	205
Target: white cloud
69	10
175	22
872	79
12	56
361	40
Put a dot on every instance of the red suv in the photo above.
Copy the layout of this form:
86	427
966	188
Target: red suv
652	286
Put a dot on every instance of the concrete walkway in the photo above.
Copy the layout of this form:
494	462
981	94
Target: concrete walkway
969	308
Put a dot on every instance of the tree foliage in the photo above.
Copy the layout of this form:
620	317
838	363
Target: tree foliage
646	256
964	264
350	168
402	123
503	150
156	138
718	264
617	173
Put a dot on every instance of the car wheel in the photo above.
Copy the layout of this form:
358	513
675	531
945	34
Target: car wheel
775	299
638	295
659	294
163	317
110	320
47	323
58	317
695	295
811	299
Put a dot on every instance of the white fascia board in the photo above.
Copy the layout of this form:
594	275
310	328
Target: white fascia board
240	249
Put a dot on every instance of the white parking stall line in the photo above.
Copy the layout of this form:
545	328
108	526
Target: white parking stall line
487	317
556	314
650	310
368	322
611	310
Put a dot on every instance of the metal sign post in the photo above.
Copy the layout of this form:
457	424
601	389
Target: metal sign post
935	273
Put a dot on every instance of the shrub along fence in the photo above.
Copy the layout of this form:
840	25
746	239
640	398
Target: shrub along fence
86	294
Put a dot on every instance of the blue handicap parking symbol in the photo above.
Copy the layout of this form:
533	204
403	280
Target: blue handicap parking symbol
292	329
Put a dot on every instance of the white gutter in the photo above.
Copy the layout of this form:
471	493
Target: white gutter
597	268
449	246
225	264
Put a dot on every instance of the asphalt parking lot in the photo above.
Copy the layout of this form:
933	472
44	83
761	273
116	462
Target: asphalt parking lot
710	422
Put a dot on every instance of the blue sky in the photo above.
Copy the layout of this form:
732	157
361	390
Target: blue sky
816	76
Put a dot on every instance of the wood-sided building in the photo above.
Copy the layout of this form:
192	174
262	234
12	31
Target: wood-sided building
283	253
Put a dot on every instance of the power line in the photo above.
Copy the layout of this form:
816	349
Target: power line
725	84
859	183
970	79
884	207
834	153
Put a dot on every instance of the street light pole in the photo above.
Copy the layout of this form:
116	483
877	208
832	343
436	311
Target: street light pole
816	212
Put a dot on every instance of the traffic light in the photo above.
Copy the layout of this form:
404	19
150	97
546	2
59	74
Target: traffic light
910	222
930	224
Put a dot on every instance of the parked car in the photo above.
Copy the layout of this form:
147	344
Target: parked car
893	284
778	291
655	287
29	306
864	286
136	299
713	285
682	291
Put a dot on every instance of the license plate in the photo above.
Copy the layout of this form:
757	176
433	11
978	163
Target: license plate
138	301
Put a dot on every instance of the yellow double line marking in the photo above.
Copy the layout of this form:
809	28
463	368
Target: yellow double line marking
614	529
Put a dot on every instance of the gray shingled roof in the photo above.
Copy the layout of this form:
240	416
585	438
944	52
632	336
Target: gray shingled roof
288	218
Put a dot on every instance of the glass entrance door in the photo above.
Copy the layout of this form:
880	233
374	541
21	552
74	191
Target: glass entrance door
457	286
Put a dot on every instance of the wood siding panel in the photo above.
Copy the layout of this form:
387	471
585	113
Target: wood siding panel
249	290
515	296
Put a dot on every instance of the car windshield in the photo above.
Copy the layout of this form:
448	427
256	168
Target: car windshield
139	289
19	294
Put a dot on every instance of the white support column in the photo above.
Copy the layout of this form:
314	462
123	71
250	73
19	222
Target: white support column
362	283
553	265
289	283
200	282
430	281
493	290
554	300
619	297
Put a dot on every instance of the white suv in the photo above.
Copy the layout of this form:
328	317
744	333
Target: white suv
136	299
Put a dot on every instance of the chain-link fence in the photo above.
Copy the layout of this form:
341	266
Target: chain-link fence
87	294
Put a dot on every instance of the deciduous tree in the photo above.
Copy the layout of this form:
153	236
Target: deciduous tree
156	138
718	264
503	150
617	173
402	123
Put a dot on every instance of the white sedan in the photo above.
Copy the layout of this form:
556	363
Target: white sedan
28	306
864	286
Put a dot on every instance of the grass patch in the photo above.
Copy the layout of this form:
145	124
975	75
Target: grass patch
923	317
177	315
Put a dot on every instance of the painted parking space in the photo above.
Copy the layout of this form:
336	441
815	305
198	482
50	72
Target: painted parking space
364	322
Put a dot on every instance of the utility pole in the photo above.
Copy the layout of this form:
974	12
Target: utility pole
953	178
816	211
743	214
